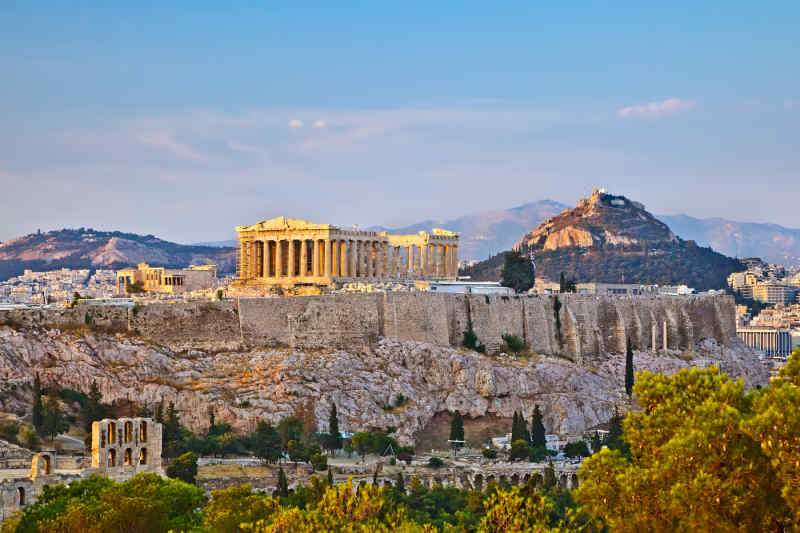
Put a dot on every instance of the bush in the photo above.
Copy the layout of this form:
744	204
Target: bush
489	453
577	449
513	343
73	396
435	462
400	400
520	449
184	468
319	461
470	339
540	453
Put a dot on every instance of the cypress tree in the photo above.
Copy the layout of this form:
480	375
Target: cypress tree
457	429
400	486
330	476
515	433
537	429
38	408
334	436
628	367
283	485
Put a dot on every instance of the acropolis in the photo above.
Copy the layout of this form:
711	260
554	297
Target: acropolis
286	252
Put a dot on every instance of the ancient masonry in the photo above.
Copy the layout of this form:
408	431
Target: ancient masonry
586	326
121	448
286	252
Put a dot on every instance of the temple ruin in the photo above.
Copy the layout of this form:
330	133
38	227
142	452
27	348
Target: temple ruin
286	252
121	448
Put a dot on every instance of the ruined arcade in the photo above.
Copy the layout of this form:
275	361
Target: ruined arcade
285	252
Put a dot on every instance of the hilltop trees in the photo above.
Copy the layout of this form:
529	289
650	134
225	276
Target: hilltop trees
518	272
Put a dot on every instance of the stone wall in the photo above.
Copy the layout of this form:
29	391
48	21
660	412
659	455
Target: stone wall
586	326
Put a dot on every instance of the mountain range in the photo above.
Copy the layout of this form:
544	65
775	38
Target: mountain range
88	248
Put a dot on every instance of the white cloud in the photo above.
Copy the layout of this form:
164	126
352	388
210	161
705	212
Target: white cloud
670	106
294	123
319	124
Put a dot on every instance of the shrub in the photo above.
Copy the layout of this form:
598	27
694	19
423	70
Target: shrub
481	348
577	449
470	339
435	462
513	343
520	449
489	453
73	396
319	461
400	400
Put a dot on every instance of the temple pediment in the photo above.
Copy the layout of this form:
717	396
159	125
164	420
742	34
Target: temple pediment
283	223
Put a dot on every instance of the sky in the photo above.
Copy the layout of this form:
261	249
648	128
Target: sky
184	121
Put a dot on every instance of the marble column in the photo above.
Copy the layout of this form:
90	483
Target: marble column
290	267
303	258
327	261
455	260
343	259
315	258
278	258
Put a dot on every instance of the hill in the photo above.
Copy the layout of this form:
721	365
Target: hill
88	248
612	239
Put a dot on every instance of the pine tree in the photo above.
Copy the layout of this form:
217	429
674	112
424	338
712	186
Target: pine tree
537	429
330	476
53	421
94	406
457	430
562	283
628	367
38	408
334	440
283	485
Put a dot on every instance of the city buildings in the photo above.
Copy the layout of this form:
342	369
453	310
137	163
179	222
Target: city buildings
165	280
57	286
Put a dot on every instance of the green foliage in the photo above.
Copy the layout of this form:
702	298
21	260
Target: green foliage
489	453
517	272
376	442
333	441
435	462
319	461
557	316
267	442
38	407
537	428
53	421
513	343
519	429
73	396
520	450
220	294
567	284
470	340
283	484
400	400
146	503
456	429
184	468
233	506
697	442
577	449
628	367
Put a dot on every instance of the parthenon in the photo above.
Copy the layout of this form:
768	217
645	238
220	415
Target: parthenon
287	252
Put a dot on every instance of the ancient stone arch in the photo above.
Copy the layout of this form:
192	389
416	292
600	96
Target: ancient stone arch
21	495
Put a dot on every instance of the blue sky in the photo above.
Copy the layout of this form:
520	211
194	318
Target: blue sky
184	121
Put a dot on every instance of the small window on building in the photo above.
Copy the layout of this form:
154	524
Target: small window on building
143	456
128	431
21	492
112	432
143	431
128	457
112	457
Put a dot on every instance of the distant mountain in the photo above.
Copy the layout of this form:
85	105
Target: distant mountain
770	242
88	248
486	233
608	238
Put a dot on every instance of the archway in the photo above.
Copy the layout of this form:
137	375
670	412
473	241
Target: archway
21	493
143	456
142	431
112	432
46	464
128	457
128	432
112	457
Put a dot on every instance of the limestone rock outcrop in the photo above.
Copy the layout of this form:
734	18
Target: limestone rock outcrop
245	386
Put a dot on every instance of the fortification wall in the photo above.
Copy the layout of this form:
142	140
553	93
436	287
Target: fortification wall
586	325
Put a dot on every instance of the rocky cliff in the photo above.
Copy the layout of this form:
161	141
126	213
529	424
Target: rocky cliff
268	383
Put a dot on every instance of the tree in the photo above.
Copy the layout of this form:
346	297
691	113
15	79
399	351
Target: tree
512	512
557	315
236	505
520	449
267	442
38	408
53	421
334	440
519	428
567	284
628	367
94	408
577	449
457	430
283	484
692	450
330	477
517	272
184	467
537	428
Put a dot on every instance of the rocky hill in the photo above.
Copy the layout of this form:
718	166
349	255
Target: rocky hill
608	238
88	248
245	386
